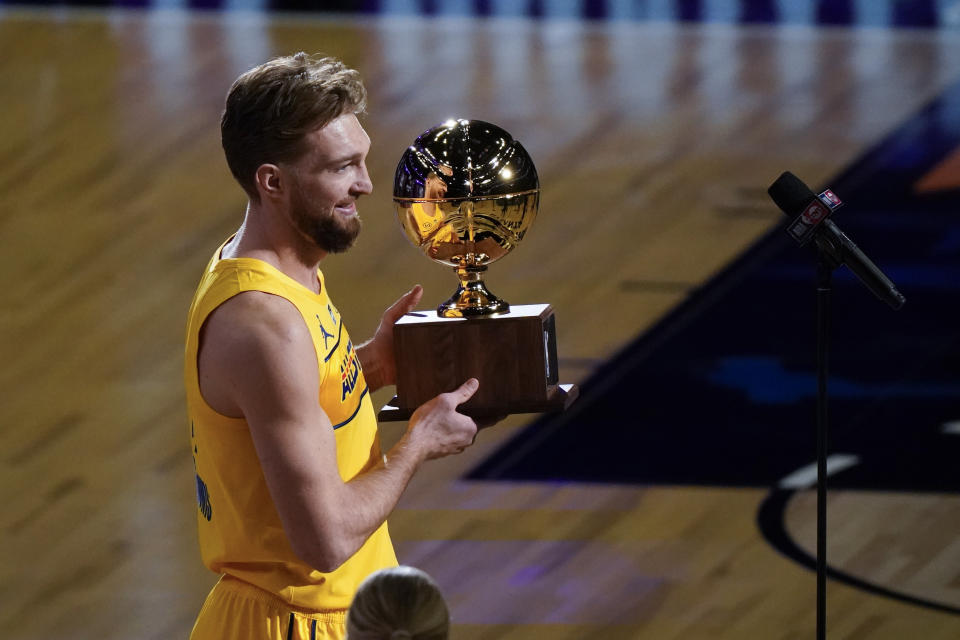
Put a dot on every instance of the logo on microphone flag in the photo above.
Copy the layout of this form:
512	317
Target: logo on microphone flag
814	213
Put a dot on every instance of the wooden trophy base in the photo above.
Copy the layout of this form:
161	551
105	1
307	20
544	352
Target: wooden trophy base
513	355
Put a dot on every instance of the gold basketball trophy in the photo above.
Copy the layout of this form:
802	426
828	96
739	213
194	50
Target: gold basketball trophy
466	194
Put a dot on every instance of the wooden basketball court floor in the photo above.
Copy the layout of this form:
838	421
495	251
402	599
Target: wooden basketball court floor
655	143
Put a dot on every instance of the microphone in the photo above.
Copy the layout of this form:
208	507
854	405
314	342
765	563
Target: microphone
811	214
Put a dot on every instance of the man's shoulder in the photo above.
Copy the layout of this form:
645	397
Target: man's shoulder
254	353
254	317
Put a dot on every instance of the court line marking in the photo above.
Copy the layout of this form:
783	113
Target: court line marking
771	519
806	477
951	428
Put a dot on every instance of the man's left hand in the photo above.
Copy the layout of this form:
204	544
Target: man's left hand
376	355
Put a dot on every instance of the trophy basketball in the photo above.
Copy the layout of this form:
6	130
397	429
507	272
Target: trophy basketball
465	194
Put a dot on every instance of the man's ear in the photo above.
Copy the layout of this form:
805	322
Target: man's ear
271	183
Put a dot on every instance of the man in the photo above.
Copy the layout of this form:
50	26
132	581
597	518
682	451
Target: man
292	488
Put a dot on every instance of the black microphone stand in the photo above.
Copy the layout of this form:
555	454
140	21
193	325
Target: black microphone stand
825	266
834	248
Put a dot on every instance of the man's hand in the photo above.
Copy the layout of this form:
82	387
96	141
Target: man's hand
437	429
376	355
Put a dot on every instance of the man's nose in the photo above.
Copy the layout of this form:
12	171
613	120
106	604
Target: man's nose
363	184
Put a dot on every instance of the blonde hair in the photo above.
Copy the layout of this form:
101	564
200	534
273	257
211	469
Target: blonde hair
270	108
400	603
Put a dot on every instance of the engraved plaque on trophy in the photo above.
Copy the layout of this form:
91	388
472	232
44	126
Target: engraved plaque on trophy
466	194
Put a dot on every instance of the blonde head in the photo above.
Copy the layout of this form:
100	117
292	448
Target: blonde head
271	108
400	603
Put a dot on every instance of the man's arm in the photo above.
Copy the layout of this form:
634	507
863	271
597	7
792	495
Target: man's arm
257	361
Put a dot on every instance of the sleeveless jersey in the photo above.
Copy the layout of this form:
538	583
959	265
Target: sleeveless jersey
239	528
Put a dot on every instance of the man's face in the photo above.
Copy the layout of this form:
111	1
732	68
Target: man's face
326	182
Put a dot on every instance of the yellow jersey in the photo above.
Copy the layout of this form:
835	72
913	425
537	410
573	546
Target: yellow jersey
239	528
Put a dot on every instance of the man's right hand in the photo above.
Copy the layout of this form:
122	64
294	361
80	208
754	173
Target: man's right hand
436	427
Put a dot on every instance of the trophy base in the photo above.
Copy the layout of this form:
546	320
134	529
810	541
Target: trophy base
562	397
471	300
513	355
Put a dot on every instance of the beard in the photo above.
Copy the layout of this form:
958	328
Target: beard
329	231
